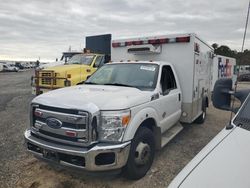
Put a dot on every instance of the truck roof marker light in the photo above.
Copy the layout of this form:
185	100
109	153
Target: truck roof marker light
158	41
152	41
183	39
129	43
163	41
140	42
116	44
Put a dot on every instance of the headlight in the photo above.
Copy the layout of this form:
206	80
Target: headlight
113	125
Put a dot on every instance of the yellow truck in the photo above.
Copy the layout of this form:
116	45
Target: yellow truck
77	69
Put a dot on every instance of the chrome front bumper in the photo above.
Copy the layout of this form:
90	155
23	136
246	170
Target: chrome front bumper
100	157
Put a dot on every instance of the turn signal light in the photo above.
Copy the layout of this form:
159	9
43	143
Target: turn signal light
125	120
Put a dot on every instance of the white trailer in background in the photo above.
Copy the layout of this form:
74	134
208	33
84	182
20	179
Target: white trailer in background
223	67
189	54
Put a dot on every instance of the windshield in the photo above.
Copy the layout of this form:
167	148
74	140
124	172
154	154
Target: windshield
243	119
81	59
141	76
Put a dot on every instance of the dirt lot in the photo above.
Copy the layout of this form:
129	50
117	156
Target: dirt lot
19	169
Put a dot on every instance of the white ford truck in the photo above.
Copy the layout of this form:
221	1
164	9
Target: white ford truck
125	110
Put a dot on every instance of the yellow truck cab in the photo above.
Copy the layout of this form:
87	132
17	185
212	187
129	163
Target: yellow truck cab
75	71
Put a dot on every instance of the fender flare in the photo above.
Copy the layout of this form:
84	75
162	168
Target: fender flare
138	119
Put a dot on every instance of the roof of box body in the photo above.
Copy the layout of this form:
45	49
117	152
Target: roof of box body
124	39
146	62
153	37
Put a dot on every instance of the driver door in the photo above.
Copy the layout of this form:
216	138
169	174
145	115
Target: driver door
169	102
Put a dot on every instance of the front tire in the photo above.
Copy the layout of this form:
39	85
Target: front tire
141	154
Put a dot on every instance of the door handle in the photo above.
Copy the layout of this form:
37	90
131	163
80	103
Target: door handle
179	97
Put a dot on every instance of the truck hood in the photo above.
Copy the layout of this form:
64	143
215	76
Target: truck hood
224	162
99	96
64	69
52	64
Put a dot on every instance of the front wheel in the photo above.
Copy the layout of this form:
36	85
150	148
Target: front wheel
141	154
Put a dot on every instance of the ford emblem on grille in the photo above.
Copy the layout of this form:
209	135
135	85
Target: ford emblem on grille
54	123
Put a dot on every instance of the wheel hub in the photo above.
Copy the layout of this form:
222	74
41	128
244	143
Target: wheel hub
142	153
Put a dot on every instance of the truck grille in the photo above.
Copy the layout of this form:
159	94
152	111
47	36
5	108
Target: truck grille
58	136
65	124
47	78
54	124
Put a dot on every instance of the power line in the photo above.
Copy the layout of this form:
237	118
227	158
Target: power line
244	37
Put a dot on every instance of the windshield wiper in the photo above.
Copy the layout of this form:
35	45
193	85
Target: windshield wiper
93	83
118	84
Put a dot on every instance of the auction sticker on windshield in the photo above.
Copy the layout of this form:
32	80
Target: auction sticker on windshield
148	68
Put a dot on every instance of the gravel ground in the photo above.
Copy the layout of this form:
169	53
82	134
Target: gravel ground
15	95
19	169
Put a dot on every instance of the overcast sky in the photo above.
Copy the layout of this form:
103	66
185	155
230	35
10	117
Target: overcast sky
31	28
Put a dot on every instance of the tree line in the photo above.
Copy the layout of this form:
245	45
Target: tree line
241	58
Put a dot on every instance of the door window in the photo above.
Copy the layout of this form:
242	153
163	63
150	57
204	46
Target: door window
99	61
168	82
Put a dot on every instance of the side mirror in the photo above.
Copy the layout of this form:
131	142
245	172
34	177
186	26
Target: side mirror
222	94
221	97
